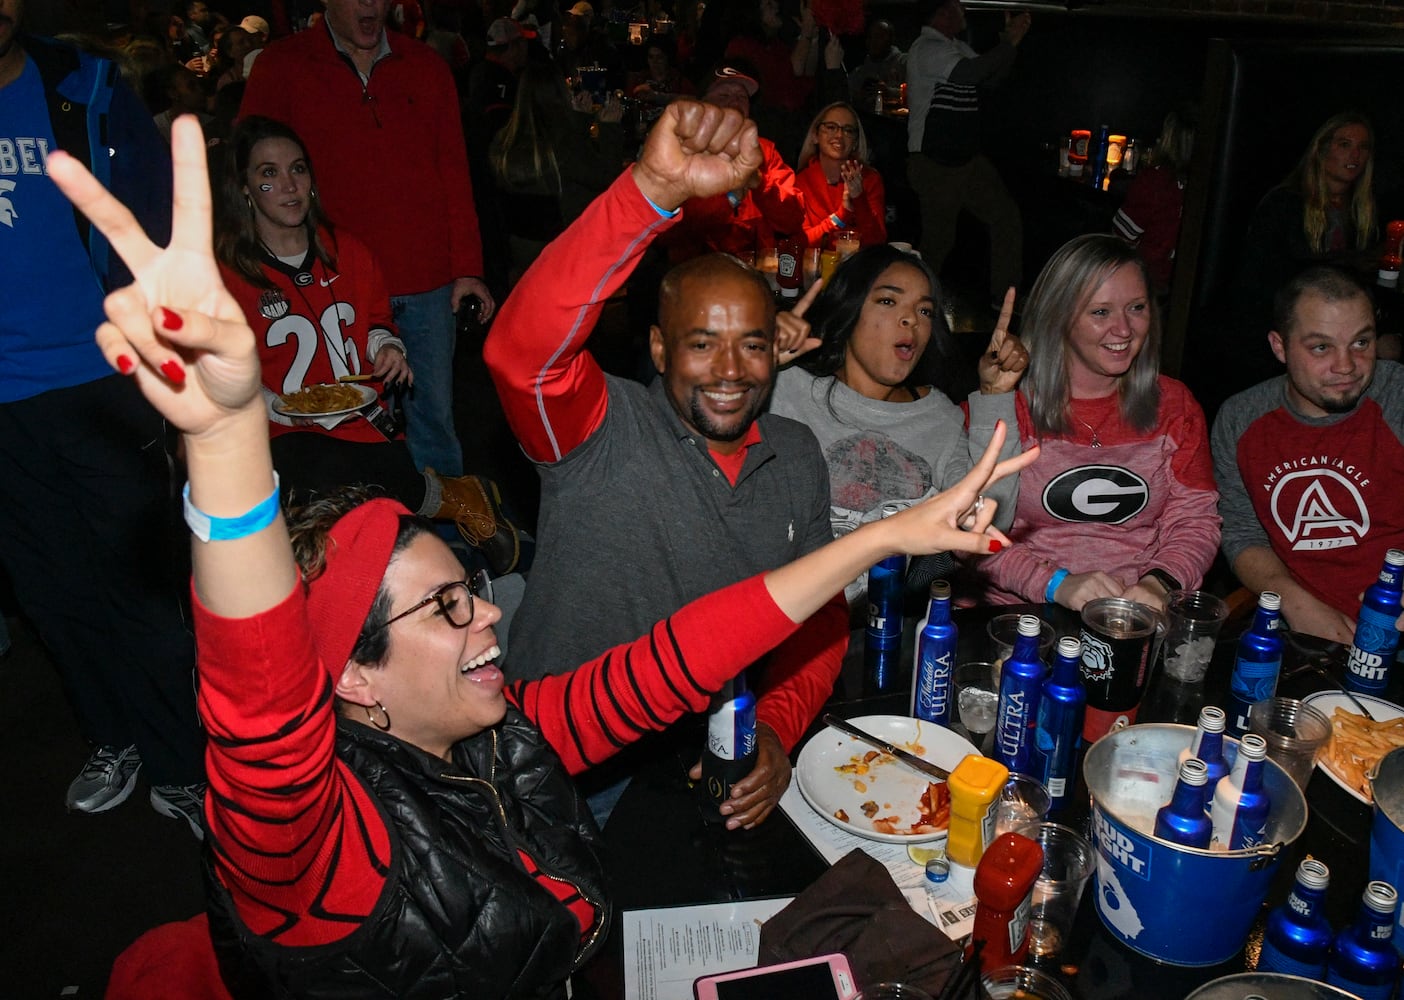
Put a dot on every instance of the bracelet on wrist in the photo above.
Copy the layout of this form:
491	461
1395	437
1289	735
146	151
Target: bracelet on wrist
1054	582
209	528
1163	578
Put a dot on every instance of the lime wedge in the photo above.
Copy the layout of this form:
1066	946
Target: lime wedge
922	854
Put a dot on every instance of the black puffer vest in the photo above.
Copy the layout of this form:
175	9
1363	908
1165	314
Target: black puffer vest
459	916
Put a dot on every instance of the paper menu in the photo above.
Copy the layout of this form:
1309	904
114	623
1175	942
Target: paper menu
665	949
955	914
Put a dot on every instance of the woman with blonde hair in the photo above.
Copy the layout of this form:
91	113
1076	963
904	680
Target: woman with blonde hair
841	192
1121	501
1322	213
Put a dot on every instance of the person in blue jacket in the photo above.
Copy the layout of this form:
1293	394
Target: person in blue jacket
88	512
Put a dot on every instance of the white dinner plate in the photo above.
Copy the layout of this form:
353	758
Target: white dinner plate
896	788
367	394
1327	702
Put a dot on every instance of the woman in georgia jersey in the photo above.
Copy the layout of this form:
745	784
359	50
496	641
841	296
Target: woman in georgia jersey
318	306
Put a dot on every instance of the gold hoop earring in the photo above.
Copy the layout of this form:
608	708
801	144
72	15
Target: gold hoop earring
370	716
249	202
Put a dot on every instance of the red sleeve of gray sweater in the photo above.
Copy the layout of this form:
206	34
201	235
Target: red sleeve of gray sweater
552	390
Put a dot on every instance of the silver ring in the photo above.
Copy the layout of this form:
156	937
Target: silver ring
979	502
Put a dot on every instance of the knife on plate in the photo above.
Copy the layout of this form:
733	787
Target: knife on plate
906	757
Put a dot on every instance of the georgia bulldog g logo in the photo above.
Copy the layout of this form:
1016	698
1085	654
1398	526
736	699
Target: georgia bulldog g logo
1100	494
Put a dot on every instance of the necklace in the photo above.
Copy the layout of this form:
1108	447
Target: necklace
1096	441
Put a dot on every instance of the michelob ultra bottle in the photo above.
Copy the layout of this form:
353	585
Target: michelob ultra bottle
1376	638
1258	663
1020	685
1363	960
730	753
1298	935
932	690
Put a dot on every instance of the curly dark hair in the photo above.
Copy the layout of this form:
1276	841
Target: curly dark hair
310	524
836	310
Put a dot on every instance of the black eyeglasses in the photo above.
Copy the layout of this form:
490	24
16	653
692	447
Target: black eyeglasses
455	601
834	128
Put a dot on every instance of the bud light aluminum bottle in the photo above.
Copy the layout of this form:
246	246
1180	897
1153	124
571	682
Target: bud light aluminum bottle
1182	820
1363	960
731	743
1020	687
1058	730
935	659
1258	663
1241	804
1208	746
1298	935
1376	638
882	639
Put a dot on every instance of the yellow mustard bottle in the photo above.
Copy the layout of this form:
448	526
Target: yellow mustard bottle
974	785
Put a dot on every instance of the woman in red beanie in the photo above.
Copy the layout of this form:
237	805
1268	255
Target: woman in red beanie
385	815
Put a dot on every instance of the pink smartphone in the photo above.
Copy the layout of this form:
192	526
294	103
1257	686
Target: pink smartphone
824	977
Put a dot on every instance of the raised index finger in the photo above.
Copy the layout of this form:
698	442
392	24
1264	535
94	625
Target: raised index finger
191	225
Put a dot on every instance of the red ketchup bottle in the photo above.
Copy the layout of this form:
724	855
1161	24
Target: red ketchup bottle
789	272
1004	881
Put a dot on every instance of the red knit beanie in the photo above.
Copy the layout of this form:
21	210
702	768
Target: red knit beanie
358	552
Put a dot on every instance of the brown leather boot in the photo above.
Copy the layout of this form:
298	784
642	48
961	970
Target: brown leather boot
475	505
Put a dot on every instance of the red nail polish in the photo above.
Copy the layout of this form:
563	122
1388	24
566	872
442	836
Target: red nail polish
125	365
996	545
173	371
171	321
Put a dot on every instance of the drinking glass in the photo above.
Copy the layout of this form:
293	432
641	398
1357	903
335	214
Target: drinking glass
977	700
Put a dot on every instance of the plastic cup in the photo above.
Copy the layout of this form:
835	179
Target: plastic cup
1195	619
1295	733
1023	801
977	700
1120	641
1068	860
847	243
811	265
1010	981
1002	630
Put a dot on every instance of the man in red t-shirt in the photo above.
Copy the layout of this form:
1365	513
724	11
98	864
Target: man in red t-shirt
1311	464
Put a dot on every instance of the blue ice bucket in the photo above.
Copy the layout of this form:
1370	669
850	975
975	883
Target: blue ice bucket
1179	905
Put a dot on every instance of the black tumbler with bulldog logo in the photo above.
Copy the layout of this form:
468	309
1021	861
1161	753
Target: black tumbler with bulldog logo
1119	640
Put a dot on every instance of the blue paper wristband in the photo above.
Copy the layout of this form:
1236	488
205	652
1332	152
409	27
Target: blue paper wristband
1054	582
208	528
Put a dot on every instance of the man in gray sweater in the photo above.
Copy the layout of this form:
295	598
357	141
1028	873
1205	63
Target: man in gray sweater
1310	464
654	496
